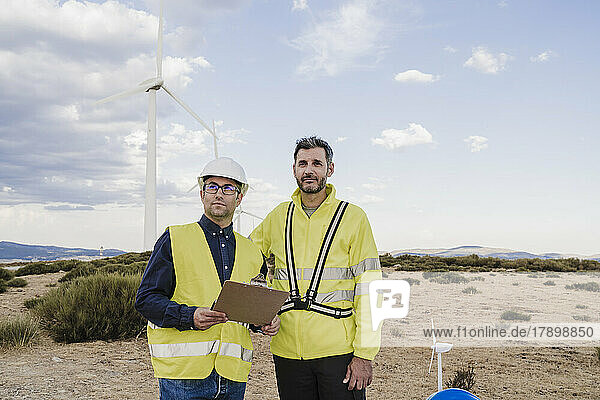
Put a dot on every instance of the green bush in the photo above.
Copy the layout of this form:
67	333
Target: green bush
96	307
46	267
17	282
6	275
32	303
91	268
134	268
3	286
19	331
473	263
581	306
515	316
549	283
84	269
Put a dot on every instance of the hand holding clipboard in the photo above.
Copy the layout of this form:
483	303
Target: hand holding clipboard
252	304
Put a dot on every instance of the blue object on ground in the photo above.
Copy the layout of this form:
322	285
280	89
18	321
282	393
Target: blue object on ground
453	394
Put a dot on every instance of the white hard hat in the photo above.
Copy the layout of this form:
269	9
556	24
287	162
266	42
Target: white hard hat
226	168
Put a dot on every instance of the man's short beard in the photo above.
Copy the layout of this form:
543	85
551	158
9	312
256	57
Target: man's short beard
320	186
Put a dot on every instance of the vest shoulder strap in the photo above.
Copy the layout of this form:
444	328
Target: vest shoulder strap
309	303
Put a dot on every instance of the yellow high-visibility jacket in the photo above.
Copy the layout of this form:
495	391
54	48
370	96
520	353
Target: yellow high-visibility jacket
226	347
352	263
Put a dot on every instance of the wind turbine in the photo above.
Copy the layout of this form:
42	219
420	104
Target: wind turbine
438	348
151	86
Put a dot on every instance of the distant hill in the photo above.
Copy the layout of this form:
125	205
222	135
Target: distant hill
10	251
481	251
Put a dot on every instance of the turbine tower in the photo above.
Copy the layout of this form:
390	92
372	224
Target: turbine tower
151	86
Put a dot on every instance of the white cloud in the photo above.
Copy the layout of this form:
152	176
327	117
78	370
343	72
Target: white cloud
68	207
502	3
61	57
347	38
181	140
65	113
477	143
263	196
299	5
370	199
450	49
543	57
7	189
341	139
374	184
485	62
414	135
413	75
232	135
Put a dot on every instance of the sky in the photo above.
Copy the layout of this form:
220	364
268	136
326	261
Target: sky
452	123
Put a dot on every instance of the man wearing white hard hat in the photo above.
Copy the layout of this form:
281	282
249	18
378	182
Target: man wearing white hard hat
196	352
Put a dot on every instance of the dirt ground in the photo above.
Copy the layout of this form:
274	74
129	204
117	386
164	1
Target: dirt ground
122	370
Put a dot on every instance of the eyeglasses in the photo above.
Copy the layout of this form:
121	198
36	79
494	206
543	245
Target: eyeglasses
227	189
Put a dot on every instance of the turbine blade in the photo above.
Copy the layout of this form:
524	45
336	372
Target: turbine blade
189	110
215	140
160	43
252	215
431	361
138	89
192	188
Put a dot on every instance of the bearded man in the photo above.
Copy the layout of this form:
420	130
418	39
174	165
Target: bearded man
325	256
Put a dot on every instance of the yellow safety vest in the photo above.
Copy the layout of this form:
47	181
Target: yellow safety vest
227	347
352	263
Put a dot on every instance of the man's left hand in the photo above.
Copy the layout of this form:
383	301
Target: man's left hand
272	328
359	374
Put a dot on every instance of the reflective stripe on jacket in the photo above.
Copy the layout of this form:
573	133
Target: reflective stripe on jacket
352	263
227	347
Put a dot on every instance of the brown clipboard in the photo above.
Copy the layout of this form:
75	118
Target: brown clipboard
253	304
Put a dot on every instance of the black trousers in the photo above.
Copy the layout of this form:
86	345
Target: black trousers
316	379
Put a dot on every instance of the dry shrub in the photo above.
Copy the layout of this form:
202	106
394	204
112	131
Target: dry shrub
514	316
97	307
550	283
412	281
470	290
464	379
447	278
584	318
589	286
19	331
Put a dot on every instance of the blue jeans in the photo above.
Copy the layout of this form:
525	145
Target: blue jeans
212	387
